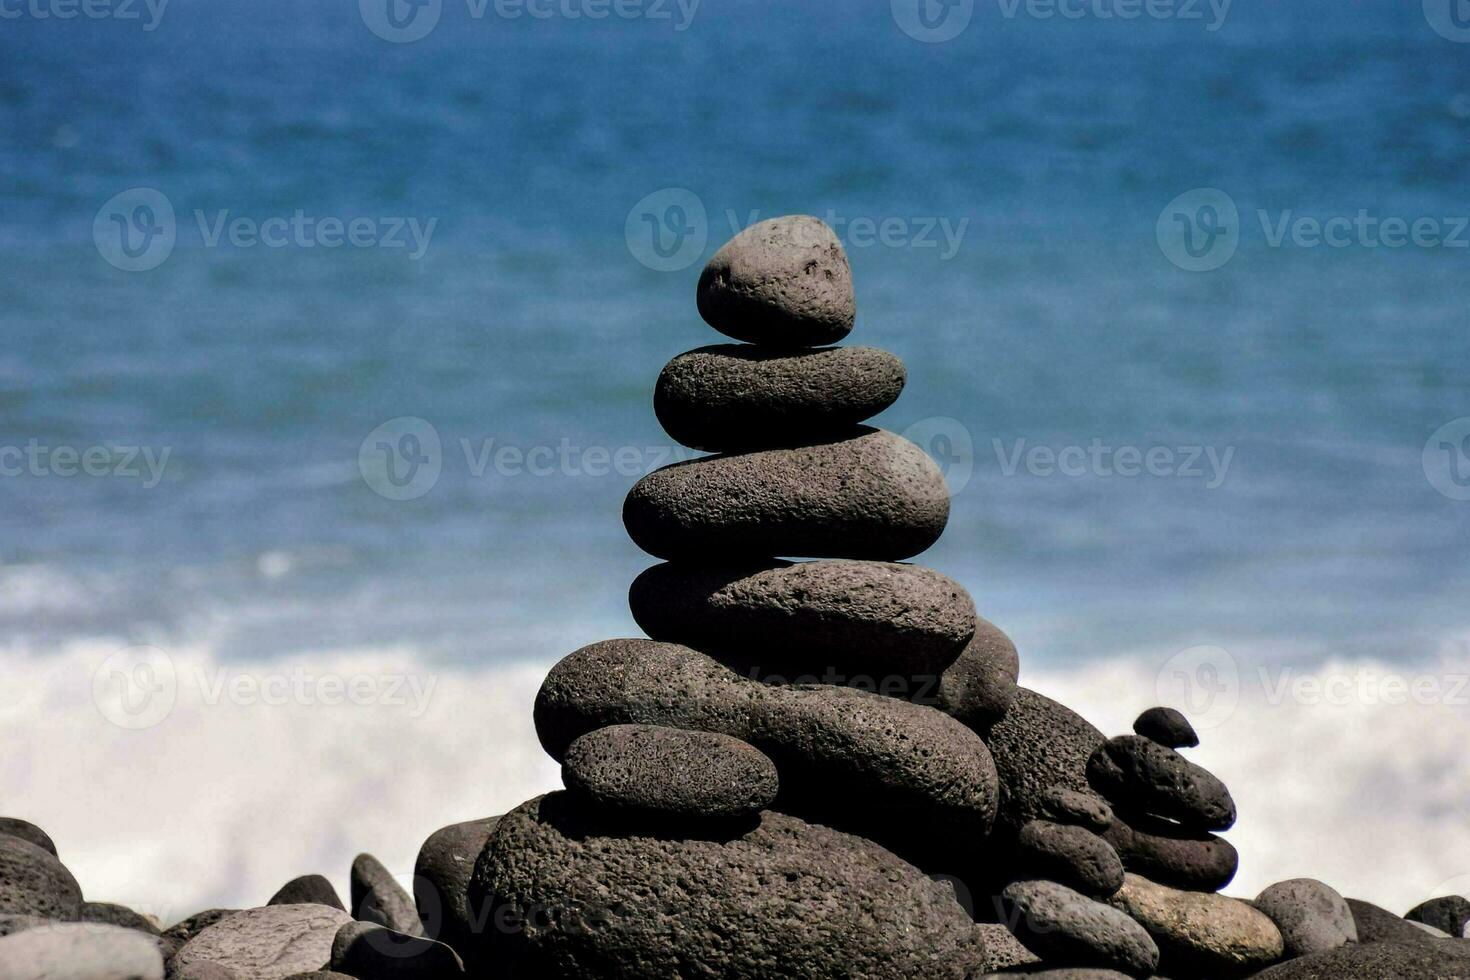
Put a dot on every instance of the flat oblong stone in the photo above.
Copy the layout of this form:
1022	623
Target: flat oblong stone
735	396
1171	855
80	951
1073	856
873	495
1440	960
1066	928
1166	726
825	618
979	686
1200	934
1139	774
670	771
783	282
267	943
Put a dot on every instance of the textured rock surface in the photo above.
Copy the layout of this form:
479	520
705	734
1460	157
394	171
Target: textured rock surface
368	951
28	832
873	495
1082	808
80	951
1140	774
1449	914
1167	727
734	397
1170	855
1072	856
1312	917
378	897
11	924
787	898
110	913
1379	925
1064	973
1000	949
267	943
441	876
1068	929
34	882
186	929
783	282
979	686
1199	933
1442	960
685	775
308	889
1039	744
905	775
836	620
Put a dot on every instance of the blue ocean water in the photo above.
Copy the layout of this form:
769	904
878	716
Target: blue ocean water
1049	149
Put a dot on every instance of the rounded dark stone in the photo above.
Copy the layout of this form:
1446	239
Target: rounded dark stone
1083	808
1166	726
1438	960
186	929
1379	925
872	495
902	774
732	397
1448	914
783	282
34	882
979	686
1066	928
576	899
671	772
440	877
1138	774
368	951
836	621
113	914
378	897
1200	934
1312	917
1040	744
306	890
1073	856
1171	855
27	831
1064	973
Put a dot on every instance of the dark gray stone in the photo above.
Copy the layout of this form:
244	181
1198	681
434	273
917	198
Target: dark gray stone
306	890
1000	949
1312	917
27	831
783	282
1449	914
1379	925
671	772
80	951
1438	960
1082	808
186	929
1171	855
785	898
118	915
1065	973
368	951
873	495
979	686
441	876
34	882
844	622
733	397
273	941
907	776
1040	744
1065	928
1166	726
1138	774
377	897
1073	856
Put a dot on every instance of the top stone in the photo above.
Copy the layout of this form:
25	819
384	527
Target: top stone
784	282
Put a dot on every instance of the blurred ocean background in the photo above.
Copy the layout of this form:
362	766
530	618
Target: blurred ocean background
1049	149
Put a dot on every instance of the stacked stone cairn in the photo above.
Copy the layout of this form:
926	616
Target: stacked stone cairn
810	769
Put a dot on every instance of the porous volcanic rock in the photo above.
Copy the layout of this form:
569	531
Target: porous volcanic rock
1167	727
1449	914
307	889
368	951
1200	934
1140	774
1312	917
1082	808
267	943
441	876
1040	744
1065	928
1073	856
1437	960
29	832
378	897
1379	925
979	686
1165	852
110	913
34	882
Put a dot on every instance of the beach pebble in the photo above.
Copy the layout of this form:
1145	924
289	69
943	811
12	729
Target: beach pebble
732	396
34	882
872	495
378	897
782	282
1167	727
1073	856
368	951
1138	774
27	832
783	898
670	772
979	686
1312	917
1442	960
306	890
1165	852
1039	745
843	622
111	913
79	951
1379	925
1082	808
267	943
1065	929
1449	914
440	876
1200	934
902	774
